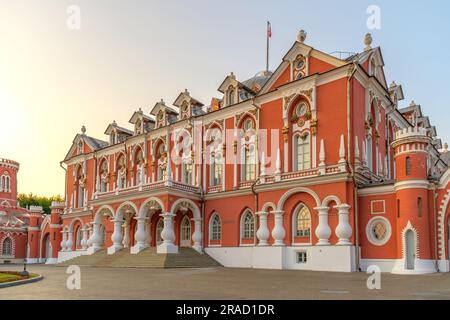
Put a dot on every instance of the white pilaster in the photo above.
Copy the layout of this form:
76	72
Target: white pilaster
322	164
278	166
262	176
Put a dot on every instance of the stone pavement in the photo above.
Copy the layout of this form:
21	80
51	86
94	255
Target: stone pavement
223	283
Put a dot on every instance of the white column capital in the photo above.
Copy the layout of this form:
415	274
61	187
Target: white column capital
343	207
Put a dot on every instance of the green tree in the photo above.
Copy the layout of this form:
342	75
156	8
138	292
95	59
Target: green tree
31	199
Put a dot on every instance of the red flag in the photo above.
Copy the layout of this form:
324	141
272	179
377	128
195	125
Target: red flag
269	30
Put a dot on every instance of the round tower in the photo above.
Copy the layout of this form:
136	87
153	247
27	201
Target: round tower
413	230
8	181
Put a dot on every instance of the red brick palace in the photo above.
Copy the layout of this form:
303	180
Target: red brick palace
313	166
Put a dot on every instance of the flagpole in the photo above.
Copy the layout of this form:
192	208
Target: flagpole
267	48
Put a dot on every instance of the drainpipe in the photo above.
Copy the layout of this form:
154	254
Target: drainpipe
435	228
352	172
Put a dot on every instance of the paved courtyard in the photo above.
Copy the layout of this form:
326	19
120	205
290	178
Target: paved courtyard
223	283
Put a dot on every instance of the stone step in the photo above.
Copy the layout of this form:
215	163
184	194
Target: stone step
148	258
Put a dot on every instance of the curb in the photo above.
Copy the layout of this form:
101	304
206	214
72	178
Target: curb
19	282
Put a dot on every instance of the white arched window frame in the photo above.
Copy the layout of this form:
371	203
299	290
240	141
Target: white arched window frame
186	229
104	176
301	151
160	166
3	183
301	223
248	226
215	228
7	248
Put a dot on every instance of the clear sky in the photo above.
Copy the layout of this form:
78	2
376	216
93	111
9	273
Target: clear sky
129	54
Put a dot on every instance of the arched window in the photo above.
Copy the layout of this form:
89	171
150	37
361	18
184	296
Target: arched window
121	173
80	190
187	172
248	225
419	206
303	222
159	229
104	176
302	159
103	233
161	167
7	247
138	165
185	231
215	231
248	165
215	169
231	95
79	235
398	208
369	159
3	183
408	166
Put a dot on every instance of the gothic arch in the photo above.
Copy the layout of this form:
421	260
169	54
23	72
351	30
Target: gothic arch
142	210
194	207
100	213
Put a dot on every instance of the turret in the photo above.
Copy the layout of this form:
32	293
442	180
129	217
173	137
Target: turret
415	252
57	209
8	181
34	230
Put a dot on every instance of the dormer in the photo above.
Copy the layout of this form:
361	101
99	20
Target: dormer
142	123
396	93
164	114
117	134
188	106
234	91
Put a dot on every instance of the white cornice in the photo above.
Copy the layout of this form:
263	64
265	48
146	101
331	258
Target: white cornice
412	184
377	190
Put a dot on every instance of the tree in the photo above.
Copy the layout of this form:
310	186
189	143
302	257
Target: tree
34	200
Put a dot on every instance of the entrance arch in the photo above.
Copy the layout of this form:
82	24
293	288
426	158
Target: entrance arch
185	240
410	249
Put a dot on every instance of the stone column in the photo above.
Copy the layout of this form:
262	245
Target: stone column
126	236
167	235
278	232
84	241
343	230
140	236
197	235
117	237
69	242
96	239
89	241
263	232
64	240
323	231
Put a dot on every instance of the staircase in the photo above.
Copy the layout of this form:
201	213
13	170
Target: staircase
148	258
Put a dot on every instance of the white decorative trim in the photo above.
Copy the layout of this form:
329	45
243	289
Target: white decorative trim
378	212
293	191
412	184
441	225
371	237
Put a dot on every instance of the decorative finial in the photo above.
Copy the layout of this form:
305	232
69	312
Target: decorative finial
232	75
446	147
393	84
162	101
140	110
83	130
301	37
114	123
412	103
186	91
368	41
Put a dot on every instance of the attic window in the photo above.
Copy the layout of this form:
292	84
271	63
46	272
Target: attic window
80	147
231	94
372	67
184	110
138	126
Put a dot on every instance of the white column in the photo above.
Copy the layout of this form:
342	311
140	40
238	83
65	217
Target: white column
90	233
263	231
342	164
96	239
322	166
197	235
167	235
126	236
116	237
323	231
69	242
278	232
278	166
343	230
140	236
84	241
64	240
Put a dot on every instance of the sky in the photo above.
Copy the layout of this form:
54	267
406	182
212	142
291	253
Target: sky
129	54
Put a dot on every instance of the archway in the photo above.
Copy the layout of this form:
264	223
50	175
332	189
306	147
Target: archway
410	249
121	235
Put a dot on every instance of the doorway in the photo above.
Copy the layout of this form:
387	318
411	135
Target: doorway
410	250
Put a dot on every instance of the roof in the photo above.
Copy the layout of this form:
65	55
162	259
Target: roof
118	128
258	81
